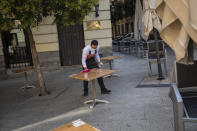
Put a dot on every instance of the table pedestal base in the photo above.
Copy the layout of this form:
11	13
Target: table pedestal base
113	75
95	101
27	87
28	84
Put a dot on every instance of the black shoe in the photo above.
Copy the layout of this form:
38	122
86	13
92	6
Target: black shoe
85	93
105	91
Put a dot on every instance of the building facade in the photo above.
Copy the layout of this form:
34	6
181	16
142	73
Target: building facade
104	33
122	17
57	46
122	27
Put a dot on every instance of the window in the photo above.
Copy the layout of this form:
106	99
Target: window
127	28
122	26
132	27
118	29
17	52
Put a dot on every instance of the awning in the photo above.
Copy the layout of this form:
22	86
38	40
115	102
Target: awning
150	18
179	23
138	25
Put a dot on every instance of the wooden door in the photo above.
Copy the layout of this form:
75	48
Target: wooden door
71	42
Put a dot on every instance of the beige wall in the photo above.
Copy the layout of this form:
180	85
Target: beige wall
46	36
104	34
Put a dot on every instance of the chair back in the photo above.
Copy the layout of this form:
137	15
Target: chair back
152	47
152	54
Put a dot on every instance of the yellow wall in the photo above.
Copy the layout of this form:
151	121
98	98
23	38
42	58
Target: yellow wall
47	47
104	34
46	36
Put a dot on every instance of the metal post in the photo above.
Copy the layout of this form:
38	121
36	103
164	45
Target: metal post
110	64
94	89
160	75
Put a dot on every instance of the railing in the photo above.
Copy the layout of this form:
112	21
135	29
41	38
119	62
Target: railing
19	57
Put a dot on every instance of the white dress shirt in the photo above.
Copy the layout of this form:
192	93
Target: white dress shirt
85	53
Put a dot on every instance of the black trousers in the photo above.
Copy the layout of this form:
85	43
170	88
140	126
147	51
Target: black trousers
100	81
91	63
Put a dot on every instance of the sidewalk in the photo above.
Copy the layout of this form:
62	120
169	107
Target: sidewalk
130	108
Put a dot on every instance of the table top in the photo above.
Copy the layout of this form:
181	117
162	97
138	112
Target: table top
107	58
76	126
93	74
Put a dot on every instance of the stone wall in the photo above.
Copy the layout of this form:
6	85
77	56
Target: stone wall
47	45
104	34
49	59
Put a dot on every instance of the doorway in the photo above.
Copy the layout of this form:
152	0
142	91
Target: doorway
71	43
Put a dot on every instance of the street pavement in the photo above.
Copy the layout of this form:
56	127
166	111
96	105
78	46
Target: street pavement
130	108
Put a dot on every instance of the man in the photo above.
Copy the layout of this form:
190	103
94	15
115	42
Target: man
90	60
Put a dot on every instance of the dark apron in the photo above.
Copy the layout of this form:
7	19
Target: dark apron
91	62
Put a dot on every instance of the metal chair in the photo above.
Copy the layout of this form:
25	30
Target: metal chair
183	94
151	55
140	48
145	49
125	47
115	45
133	46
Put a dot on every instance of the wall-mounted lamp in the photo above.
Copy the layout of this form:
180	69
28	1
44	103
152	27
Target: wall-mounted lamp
96	10
112	7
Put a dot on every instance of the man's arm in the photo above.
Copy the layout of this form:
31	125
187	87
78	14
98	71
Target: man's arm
97	55
84	57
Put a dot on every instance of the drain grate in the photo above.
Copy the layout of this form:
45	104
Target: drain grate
152	85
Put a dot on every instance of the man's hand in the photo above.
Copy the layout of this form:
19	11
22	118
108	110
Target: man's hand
100	63
86	68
